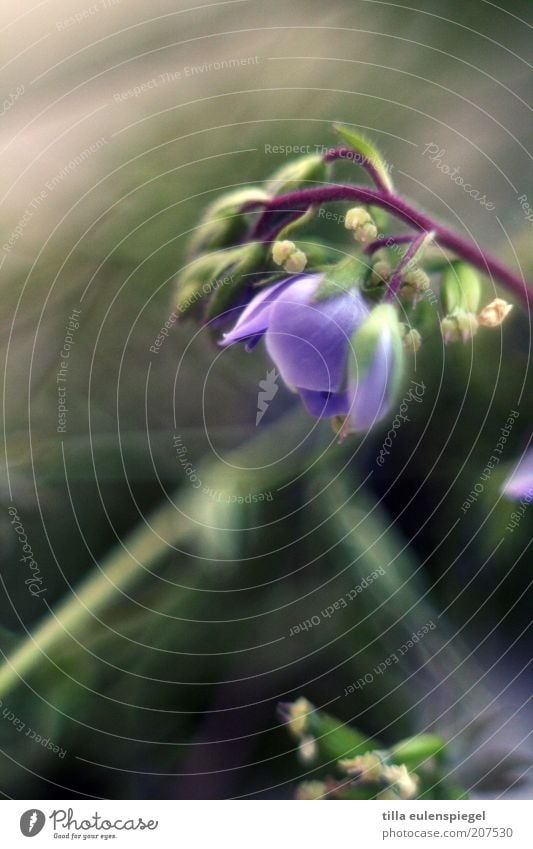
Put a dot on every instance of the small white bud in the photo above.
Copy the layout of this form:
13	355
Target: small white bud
296	262
416	279
401	781
381	271
307	750
296	716
494	313
459	325
367	767
365	233
412	340
281	251
356	217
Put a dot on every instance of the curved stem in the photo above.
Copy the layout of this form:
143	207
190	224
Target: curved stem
354	156
396	279
447	238
124	567
389	242
144	550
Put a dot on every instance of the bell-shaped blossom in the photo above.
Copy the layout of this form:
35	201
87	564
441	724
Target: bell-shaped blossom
340	357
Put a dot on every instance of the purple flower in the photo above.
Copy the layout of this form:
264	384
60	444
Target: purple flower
331	351
520	483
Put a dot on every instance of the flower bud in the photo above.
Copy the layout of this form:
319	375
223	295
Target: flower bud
220	275
375	369
296	716
356	217
381	271
359	220
296	262
366	152
402	783
244	262
311	790
223	222
417	279
419	750
412	340
299	172
366	233
414	284
494	313
281	251
460	288
307	750
367	767
286	253
458	326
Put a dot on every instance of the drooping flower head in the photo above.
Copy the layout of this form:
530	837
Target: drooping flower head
343	359
337	341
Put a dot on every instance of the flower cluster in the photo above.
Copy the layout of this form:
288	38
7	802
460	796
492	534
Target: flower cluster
337	322
354	767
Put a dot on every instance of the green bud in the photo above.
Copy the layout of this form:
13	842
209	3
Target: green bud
417	279
366	150
296	174
381	271
460	288
460	325
383	320
298	224
333	739
414	284
223	222
216	272
246	261
341	277
414	750
412	340
195	282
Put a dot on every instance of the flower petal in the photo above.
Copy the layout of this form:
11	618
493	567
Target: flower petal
369	393
324	405
253	321
309	341
520	483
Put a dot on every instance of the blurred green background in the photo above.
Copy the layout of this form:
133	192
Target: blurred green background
121	122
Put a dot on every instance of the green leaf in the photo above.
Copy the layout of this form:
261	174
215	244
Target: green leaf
348	274
367	151
336	740
223	222
220	275
296	174
415	750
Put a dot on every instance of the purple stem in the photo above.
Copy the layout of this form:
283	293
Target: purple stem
396	279
288	218
389	241
357	157
471	253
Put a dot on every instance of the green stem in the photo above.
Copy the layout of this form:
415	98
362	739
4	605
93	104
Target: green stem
256	462
126	564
